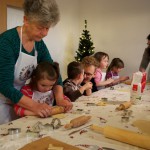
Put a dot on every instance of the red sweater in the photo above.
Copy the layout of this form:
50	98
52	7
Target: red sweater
25	90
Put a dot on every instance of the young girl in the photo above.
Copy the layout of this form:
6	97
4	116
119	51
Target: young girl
72	87
43	78
113	71
102	58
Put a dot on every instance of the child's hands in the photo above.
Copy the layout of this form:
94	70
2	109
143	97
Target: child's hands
85	87
110	80
42	110
88	85
124	78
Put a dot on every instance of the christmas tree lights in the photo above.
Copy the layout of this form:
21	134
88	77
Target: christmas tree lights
86	47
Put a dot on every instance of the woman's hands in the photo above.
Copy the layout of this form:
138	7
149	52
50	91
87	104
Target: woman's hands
38	109
42	110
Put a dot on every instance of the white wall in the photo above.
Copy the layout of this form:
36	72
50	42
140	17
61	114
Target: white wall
62	40
118	27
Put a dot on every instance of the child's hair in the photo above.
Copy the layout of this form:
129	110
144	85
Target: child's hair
99	55
116	62
44	70
89	61
74	69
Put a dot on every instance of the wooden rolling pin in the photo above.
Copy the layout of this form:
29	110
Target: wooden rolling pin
77	122
125	136
124	105
57	110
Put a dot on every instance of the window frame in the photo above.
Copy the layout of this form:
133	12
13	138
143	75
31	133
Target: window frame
3	11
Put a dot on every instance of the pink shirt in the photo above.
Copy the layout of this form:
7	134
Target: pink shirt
98	75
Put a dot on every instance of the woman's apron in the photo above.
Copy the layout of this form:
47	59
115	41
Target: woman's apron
23	70
46	97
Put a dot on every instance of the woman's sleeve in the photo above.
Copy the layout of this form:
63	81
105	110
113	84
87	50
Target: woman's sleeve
145	59
25	90
7	64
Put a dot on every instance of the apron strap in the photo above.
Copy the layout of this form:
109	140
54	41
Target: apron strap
21	39
21	43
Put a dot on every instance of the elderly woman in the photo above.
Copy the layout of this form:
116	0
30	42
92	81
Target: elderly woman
21	48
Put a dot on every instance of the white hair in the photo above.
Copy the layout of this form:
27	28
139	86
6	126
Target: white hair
42	11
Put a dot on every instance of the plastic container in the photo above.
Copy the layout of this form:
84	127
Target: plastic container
136	93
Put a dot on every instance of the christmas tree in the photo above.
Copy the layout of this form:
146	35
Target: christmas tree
85	45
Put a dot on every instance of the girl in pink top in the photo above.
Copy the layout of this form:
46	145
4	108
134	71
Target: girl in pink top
102	58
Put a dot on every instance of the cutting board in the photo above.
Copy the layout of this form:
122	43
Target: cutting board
43	144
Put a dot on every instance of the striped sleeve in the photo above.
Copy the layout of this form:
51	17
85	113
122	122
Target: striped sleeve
8	55
26	90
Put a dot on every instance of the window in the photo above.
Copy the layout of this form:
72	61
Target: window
3	11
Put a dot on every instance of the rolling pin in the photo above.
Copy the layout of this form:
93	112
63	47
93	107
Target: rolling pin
57	110
124	105
77	122
124	136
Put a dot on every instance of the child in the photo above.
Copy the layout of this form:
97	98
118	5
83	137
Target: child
113	71
89	64
72	87
40	87
102	58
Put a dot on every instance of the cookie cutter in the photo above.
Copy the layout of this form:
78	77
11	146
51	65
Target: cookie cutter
124	113
79	110
130	112
124	119
38	127
104	99
127	113
56	123
91	104
12	131
112	88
